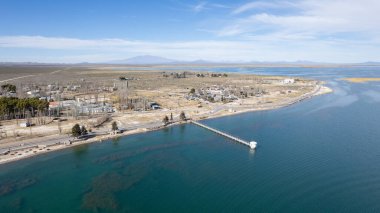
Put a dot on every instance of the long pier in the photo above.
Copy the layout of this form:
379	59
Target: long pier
251	144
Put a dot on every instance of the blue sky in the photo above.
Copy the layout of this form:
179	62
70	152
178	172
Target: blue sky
100	30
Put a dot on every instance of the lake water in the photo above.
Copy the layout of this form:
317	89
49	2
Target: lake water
321	155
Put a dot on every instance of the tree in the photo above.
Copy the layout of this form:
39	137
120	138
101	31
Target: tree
171	116
76	130
114	126
182	116
192	91
165	120
8	106
9	87
83	131
59	127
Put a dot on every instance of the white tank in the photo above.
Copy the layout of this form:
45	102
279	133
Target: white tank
253	144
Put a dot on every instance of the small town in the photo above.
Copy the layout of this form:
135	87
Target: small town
119	102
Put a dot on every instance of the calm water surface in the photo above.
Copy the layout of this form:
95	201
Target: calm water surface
322	155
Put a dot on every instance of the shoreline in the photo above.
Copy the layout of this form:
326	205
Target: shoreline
37	150
361	80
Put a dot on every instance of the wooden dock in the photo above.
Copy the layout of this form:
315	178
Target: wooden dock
251	144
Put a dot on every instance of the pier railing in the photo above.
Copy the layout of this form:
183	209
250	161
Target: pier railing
251	144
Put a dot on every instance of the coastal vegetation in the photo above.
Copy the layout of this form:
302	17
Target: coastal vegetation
114	126
83	130
8	87
12	108
77	131
165	120
182	116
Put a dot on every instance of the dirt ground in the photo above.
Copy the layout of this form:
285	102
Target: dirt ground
152	85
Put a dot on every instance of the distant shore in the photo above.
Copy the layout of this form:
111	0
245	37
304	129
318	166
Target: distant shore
27	152
361	80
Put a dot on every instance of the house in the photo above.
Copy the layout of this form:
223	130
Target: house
33	93
53	105
288	81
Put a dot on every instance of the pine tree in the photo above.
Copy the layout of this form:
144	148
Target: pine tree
182	116
114	126
76	130
83	130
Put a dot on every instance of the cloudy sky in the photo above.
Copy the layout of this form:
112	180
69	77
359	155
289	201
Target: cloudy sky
224	30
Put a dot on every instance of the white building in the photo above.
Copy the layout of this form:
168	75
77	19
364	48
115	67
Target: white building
288	81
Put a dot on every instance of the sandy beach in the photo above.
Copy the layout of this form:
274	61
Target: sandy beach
361	80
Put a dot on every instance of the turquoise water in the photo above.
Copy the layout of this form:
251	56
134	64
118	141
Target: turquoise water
321	155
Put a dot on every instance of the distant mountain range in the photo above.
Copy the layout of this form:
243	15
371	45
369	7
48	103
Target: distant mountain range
371	63
144	59
156	60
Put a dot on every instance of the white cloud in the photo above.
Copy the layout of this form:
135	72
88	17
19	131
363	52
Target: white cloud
220	6
261	5
199	7
315	30
60	43
319	17
255	48
204	5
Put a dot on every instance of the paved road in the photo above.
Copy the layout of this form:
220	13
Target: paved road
47	141
34	142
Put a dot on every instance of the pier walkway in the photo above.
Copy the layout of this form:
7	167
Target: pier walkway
251	144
